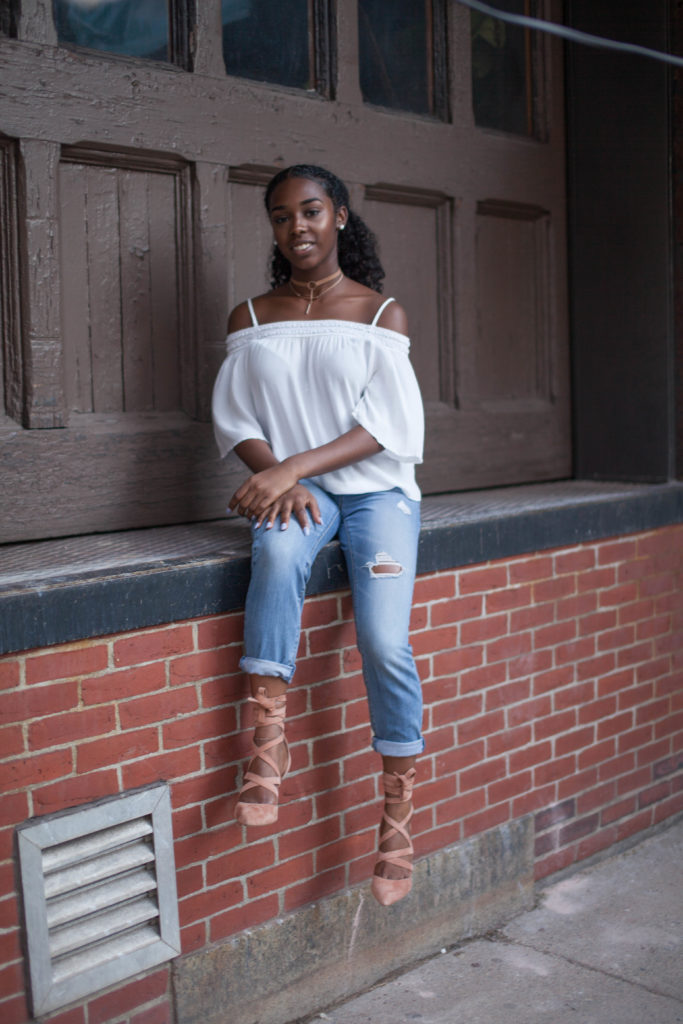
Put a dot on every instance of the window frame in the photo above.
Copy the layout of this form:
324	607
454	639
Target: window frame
181	27
322	51
536	81
438	71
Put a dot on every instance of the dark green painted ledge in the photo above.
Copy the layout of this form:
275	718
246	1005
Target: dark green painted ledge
53	592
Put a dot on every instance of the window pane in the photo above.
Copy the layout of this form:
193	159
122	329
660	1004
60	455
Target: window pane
135	28
501	71
269	41
396	62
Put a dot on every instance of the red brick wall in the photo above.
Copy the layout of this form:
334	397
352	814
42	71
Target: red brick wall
553	685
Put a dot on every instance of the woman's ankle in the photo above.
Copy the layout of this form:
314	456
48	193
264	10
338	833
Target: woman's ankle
270	760
397	765
274	686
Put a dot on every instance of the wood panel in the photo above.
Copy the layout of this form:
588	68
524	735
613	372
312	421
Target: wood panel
75	299
136	301
166	289
513	303
251	237
118	471
105	295
413	226
44	405
212	266
124	286
11	390
5	276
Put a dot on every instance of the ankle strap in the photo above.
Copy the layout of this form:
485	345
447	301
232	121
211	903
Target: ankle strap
269	709
398	788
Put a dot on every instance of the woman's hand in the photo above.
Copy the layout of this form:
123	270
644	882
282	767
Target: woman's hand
258	493
273	489
298	502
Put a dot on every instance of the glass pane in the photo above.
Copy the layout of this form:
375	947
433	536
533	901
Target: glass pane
135	28
395	44
269	41
501	71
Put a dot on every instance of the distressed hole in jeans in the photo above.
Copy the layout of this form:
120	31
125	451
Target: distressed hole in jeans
384	566
402	507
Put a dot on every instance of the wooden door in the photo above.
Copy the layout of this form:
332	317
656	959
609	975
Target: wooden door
132	192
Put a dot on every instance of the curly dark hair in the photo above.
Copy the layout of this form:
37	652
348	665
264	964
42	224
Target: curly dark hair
357	246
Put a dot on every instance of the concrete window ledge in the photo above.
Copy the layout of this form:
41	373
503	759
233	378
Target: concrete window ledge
71	589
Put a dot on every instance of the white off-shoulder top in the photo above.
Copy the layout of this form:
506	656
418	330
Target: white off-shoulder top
298	384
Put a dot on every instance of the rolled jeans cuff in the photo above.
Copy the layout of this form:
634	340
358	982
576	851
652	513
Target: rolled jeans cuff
389	748
258	667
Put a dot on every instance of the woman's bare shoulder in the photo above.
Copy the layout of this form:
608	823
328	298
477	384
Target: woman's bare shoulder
240	317
394	318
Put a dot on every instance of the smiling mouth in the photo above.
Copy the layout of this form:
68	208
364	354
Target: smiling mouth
301	246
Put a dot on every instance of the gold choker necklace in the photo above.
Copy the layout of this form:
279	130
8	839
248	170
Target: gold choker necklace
336	278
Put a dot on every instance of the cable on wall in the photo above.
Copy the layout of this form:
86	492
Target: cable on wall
571	34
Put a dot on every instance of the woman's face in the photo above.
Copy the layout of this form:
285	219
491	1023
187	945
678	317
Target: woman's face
305	226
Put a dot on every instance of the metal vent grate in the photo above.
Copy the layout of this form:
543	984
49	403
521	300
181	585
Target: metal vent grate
100	901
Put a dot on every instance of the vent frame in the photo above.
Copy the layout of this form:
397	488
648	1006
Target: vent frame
50	988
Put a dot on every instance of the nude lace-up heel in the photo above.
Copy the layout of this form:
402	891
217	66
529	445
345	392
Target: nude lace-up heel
268	711
397	789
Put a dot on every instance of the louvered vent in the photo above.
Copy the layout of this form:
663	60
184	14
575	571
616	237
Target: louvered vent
100	900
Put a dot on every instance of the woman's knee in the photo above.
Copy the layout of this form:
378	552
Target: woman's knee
275	554
382	648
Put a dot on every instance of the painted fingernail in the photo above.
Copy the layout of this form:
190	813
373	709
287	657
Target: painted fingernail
256	526
307	530
269	526
283	526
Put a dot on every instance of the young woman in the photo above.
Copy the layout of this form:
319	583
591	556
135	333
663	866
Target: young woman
318	398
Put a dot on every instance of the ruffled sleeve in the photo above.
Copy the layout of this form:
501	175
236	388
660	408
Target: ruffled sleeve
390	407
234	413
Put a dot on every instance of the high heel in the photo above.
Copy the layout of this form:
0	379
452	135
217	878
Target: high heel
269	711
398	789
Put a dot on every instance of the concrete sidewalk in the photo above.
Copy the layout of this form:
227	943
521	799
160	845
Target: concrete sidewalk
603	946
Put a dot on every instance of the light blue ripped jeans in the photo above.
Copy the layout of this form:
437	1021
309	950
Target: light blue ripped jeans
378	533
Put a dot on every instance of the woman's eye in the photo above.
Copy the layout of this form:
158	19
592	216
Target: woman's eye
312	213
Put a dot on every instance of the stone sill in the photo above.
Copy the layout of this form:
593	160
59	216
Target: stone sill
58	591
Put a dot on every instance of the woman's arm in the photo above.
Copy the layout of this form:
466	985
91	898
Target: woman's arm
256	455
297	501
266	494
353	446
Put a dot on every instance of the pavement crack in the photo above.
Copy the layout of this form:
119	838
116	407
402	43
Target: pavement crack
595	970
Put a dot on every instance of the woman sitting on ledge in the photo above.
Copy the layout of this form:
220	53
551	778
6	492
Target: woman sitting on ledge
318	398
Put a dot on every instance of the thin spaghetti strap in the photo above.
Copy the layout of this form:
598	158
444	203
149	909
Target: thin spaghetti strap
254	321
380	311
